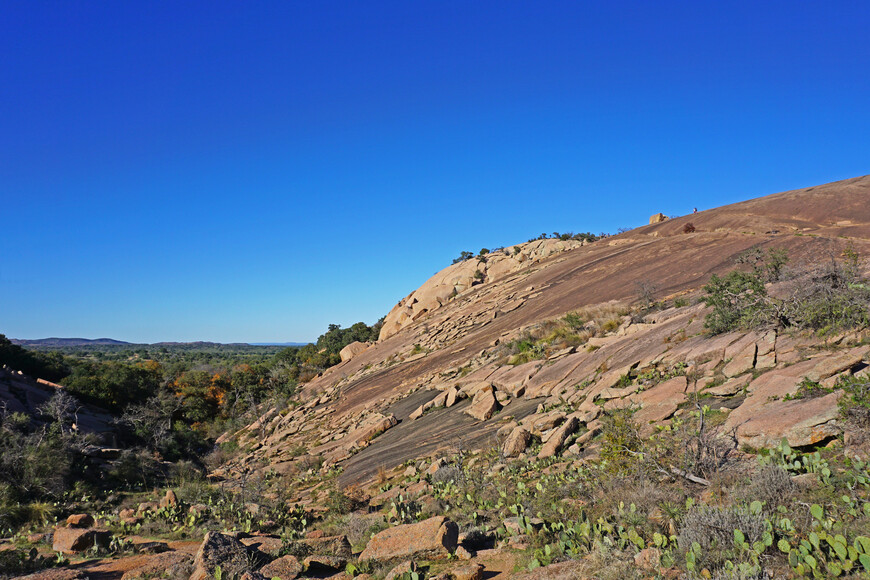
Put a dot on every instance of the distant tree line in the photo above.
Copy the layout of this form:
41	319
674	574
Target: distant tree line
304	362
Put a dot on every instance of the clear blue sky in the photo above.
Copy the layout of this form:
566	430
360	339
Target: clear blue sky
253	171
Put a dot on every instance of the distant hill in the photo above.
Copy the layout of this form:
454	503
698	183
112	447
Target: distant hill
74	342
66	341
278	343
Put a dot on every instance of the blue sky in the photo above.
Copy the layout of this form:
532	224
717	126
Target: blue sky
255	171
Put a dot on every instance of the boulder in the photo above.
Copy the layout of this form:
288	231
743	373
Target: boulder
657	218
319	564
220	550
74	540
329	545
430	538
469	572
557	439
658	403
484	404
267	544
454	395
285	568
352	350
80	521
516	442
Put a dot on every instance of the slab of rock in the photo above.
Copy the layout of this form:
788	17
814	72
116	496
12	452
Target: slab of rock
516	442
220	550
557	439
831	365
400	570
146	545
770	387
454	395
285	568
742	362
484	404
802	422
434	537
658	403
657	218
730	387
547	422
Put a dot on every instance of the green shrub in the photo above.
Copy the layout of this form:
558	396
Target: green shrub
737	300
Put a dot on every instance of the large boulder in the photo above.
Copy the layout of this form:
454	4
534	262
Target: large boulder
75	540
484	404
352	350
430	538
657	218
220	550
516	442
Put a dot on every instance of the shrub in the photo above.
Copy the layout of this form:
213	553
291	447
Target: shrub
463	256
688	228
621	444
712	528
737	300
771	485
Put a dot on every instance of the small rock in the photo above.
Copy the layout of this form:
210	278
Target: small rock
648	559
406	567
469	572
318	564
170	499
